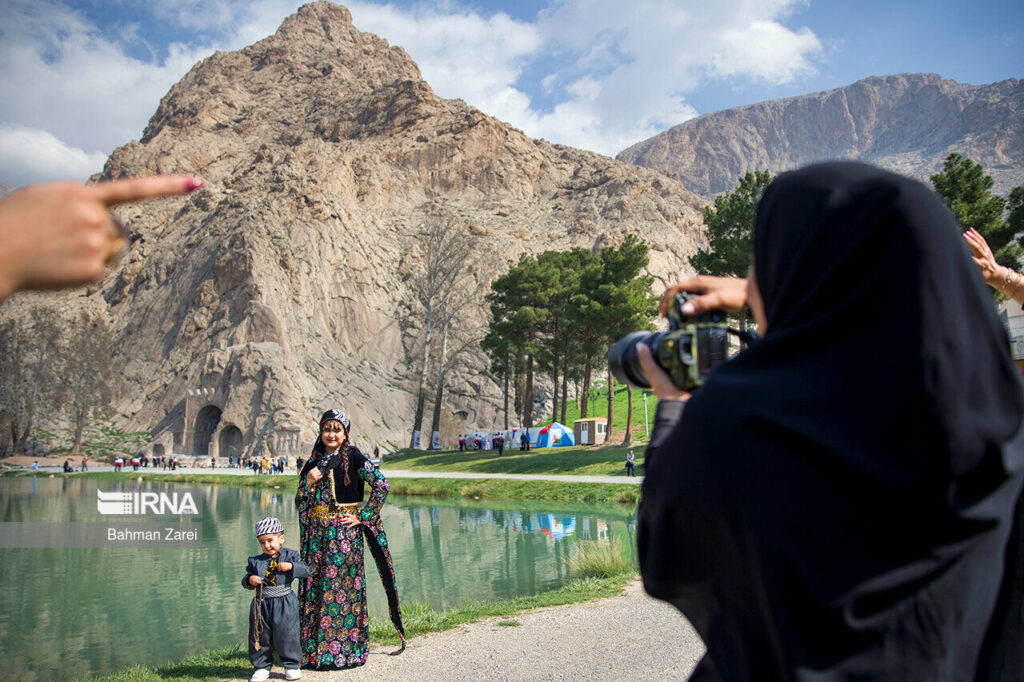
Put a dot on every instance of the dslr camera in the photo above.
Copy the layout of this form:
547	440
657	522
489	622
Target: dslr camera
688	351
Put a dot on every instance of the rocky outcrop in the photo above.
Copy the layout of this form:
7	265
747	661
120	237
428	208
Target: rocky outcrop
908	123
283	287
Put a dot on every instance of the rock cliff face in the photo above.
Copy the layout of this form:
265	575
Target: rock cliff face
283	288
908	123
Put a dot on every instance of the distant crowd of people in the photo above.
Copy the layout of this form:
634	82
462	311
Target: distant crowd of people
494	441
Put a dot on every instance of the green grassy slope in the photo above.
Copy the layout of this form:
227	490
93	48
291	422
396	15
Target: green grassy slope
598	407
588	460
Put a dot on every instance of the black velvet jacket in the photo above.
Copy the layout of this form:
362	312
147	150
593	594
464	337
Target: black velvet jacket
332	466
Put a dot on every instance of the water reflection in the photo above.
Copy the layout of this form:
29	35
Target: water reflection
94	610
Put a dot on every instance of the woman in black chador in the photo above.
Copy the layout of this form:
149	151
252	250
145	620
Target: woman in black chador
842	500
334	521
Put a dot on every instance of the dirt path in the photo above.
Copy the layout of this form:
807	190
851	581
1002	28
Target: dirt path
632	637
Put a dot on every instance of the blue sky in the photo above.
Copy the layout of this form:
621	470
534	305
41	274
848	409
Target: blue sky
80	77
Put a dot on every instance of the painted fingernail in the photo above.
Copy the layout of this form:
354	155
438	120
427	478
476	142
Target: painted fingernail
193	184
688	309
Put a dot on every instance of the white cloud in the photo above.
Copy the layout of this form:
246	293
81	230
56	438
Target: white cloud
460	53
62	76
630	65
30	155
767	50
623	68
609	73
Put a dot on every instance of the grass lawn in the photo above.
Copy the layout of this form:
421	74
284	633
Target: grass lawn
587	460
498	488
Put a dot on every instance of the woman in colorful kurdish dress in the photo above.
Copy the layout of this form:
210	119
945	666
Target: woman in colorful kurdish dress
332	521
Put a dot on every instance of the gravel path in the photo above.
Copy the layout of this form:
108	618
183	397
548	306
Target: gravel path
632	637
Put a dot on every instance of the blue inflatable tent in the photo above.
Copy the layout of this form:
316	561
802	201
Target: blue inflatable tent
555	436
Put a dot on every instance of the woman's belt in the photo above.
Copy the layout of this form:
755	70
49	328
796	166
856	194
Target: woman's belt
333	511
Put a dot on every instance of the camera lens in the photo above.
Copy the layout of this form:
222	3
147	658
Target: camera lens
624	361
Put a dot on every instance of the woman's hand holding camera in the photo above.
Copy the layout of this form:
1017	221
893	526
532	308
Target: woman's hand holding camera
661	382
713	293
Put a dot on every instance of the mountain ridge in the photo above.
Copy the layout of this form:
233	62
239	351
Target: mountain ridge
908	123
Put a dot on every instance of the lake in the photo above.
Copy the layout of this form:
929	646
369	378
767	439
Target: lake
71	611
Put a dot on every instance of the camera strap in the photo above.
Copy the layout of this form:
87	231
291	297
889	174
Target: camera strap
745	337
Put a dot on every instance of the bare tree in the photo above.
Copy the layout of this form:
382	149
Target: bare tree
447	246
446	360
30	370
89	372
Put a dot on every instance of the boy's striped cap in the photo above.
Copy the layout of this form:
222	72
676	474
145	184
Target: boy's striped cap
268	525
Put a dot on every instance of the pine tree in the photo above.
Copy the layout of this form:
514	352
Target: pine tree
625	295
967	190
730	228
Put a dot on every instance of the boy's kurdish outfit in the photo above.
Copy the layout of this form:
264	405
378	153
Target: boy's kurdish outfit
274	614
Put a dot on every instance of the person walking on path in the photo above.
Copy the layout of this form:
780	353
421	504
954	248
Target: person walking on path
630	463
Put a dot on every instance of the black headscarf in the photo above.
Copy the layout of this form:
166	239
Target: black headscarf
836	501
340	459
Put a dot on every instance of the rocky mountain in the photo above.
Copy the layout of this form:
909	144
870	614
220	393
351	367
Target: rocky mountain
908	123
283	287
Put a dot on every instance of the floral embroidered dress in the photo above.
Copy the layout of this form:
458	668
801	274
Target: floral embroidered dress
334	624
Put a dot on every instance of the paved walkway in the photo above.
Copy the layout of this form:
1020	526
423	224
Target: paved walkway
390	473
632	637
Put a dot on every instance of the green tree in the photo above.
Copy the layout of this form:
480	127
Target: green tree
730	228
499	350
557	312
1015	213
625	296
564	279
967	190
586	320
520	302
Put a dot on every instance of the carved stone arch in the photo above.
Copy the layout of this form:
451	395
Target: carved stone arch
204	429
229	442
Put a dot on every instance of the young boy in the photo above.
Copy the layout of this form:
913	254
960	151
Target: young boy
274	615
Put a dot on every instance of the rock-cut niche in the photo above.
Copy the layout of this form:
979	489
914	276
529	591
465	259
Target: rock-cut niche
229	443
206	425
